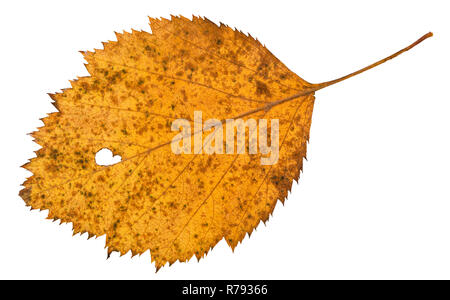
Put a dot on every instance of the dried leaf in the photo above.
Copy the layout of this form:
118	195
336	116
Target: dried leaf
176	205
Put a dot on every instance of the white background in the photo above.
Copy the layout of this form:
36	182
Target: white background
373	201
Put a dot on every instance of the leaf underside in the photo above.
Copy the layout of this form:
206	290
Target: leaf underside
176	206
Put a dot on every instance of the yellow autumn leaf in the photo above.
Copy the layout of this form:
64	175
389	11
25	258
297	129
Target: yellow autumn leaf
174	204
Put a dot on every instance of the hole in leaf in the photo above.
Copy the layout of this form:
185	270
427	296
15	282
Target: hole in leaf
105	157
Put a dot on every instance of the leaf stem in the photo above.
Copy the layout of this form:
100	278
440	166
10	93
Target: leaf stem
319	86
328	83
